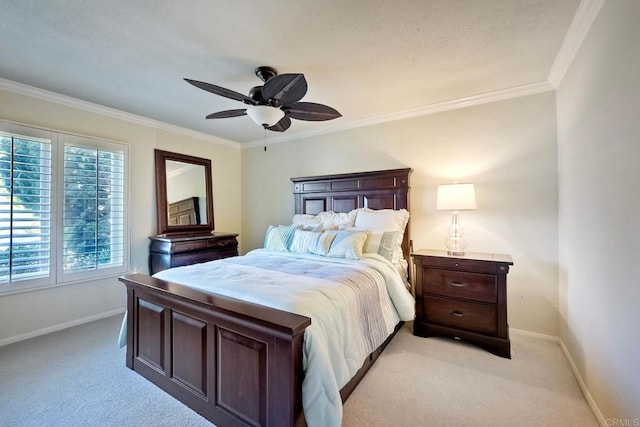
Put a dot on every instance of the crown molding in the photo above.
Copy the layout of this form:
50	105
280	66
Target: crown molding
580	25
67	101
468	101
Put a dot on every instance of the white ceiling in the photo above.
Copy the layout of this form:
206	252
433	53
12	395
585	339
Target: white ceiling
366	58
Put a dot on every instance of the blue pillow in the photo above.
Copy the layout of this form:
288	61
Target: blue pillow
279	238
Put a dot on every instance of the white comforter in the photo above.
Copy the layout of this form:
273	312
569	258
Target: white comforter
354	307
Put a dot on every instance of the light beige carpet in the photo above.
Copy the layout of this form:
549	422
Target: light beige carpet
77	377
443	382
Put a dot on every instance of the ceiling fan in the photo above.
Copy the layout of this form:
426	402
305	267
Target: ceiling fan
273	104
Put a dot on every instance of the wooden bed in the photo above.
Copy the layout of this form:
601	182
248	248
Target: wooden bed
237	363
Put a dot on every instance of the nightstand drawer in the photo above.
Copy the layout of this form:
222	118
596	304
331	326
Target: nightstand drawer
479	266
461	315
473	286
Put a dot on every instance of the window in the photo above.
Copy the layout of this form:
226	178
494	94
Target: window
62	208
25	208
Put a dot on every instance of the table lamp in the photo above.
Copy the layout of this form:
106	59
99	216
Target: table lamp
456	197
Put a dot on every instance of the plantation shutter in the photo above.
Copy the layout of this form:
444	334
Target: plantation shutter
93	209
25	208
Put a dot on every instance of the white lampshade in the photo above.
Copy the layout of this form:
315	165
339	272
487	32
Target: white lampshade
265	115
456	197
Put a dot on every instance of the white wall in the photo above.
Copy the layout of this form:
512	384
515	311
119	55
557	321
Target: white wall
599	163
507	149
29	313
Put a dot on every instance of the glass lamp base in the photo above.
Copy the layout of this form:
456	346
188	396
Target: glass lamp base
455	253
455	243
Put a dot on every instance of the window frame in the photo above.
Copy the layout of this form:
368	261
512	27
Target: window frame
57	276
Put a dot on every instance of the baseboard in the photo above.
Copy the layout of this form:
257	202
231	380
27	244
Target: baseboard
60	326
585	391
535	335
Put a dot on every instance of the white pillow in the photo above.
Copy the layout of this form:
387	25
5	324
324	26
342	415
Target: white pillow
310	242
329	220
332	220
304	219
383	219
347	244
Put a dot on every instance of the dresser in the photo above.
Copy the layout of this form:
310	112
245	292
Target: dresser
464	297
189	248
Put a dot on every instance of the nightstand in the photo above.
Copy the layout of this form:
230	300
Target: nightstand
464	297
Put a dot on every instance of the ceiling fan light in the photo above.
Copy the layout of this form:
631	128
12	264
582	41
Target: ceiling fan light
265	115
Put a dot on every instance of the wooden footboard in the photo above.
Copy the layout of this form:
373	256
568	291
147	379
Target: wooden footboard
235	363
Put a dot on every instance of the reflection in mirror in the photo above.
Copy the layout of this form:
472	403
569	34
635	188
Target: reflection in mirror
183	193
186	194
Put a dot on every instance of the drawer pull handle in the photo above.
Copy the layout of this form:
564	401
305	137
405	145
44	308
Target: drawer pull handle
457	284
457	314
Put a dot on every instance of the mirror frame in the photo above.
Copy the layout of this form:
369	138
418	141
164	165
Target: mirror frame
161	158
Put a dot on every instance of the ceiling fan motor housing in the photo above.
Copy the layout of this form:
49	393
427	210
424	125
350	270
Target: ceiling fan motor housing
255	93
265	72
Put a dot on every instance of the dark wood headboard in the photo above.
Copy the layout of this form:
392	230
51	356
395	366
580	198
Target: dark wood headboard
387	189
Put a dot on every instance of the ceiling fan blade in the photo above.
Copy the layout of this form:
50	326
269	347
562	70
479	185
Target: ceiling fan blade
282	125
227	113
218	90
284	89
311	111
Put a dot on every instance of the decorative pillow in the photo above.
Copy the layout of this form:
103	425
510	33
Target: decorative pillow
306	220
318	228
310	242
332	220
347	244
315	228
279	238
379	241
329	220
386	220
383	243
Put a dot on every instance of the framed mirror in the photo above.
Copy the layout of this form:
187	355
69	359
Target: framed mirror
184	193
